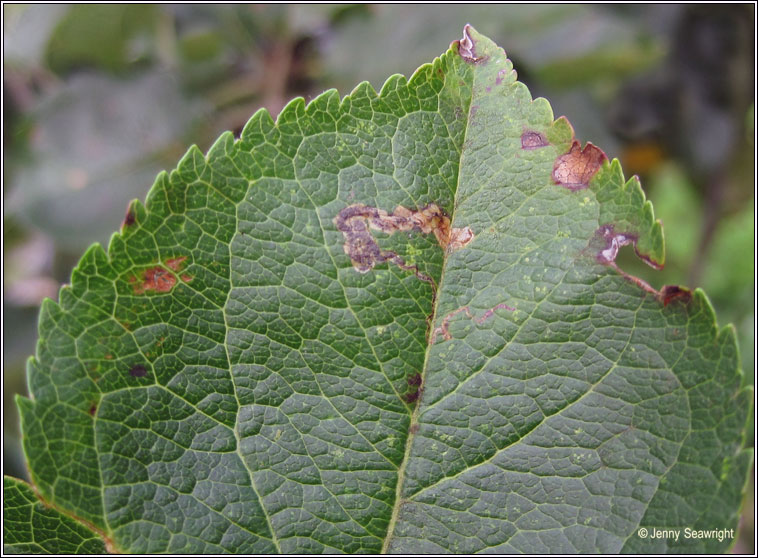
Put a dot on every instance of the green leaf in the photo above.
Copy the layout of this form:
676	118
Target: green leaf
29	527
395	323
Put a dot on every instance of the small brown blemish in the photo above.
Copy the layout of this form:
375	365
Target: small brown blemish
92	410
176	263
575	169
108	356
412	396
500	74
186	278
670	293
130	218
156	279
355	221
415	427
138	371
414	379
467	47
444	331
533	140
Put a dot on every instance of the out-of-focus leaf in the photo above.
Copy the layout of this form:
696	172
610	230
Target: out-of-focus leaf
25	32
542	35
105	36
730	265
97	141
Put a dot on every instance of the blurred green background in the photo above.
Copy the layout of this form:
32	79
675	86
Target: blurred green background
99	98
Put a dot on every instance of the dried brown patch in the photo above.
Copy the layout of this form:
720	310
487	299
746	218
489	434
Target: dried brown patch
156	279
355	221
186	278
176	263
575	169
533	140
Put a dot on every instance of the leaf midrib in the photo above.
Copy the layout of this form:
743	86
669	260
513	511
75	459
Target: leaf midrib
430	327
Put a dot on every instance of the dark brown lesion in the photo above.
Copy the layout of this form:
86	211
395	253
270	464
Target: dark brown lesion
356	221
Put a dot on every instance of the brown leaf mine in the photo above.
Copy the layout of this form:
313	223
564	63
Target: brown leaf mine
607	242
355	221
156	279
533	140
176	263
670	293
575	169
466	47
130	218
610	242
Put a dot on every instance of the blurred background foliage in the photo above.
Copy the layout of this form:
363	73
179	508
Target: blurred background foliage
99	98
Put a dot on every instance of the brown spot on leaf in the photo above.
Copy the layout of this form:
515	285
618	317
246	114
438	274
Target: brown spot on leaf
575	169
176	263
467	47
186	278
414	379
670	293
355	221
156	279
92	410
138	371
415	427
533	140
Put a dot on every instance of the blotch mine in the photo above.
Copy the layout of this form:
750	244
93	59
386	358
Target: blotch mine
467	47
608	241
575	169
176	263
355	222
533	140
156	279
